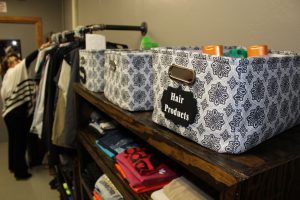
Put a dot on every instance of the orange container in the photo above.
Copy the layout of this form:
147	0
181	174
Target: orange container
257	50
216	50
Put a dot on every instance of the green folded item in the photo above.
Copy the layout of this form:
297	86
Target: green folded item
147	43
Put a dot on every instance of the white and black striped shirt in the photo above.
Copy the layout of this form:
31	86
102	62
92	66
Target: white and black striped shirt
17	89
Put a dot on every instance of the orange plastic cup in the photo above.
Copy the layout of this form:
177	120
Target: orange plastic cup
216	50
257	50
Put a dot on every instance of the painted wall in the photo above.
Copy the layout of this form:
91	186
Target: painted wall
49	11
67	14
198	22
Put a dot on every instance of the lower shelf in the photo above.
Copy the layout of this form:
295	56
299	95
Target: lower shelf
87	140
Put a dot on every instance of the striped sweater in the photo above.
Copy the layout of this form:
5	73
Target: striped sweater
17	89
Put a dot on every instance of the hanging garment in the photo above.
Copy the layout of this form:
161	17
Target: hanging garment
70	133
51	90
59	114
37	123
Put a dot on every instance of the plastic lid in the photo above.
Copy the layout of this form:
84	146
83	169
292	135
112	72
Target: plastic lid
238	53
213	50
257	50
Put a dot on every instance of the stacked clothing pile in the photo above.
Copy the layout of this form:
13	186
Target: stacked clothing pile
142	170
115	142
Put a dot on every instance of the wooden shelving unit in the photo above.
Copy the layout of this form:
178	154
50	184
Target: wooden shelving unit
265	172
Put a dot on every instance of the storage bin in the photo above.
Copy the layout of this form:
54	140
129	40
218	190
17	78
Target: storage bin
226	104
91	69
129	78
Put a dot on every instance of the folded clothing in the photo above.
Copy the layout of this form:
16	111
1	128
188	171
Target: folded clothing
95	128
141	168
102	127
182	189
116	141
140	188
108	125
96	196
106	189
106	151
159	195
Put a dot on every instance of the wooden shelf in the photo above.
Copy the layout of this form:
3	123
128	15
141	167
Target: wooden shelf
230	175
107	166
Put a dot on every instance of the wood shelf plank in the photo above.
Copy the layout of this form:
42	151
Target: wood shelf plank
88	191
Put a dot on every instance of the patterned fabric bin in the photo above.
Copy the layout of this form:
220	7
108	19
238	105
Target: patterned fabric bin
128	75
91	69
233	104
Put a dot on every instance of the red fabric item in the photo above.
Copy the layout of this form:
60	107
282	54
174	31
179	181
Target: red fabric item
147	188
143	162
159	175
141	188
120	170
96	195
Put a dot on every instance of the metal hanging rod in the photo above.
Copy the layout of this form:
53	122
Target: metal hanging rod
101	27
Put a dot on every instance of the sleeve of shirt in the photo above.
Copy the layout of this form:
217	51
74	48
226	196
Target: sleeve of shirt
30	58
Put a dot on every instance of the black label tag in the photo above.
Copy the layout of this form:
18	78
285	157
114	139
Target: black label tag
179	106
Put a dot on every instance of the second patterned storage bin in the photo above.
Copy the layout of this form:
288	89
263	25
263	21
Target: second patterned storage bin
128	79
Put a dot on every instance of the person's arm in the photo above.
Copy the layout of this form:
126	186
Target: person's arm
30	58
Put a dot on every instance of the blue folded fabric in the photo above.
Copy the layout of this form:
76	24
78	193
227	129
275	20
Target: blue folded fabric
116	142
106	151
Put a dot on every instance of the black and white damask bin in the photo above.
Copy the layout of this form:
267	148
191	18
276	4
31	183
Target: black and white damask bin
226	104
91	69
129	79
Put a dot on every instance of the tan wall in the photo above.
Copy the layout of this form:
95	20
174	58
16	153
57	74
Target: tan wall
67	14
49	11
197	22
